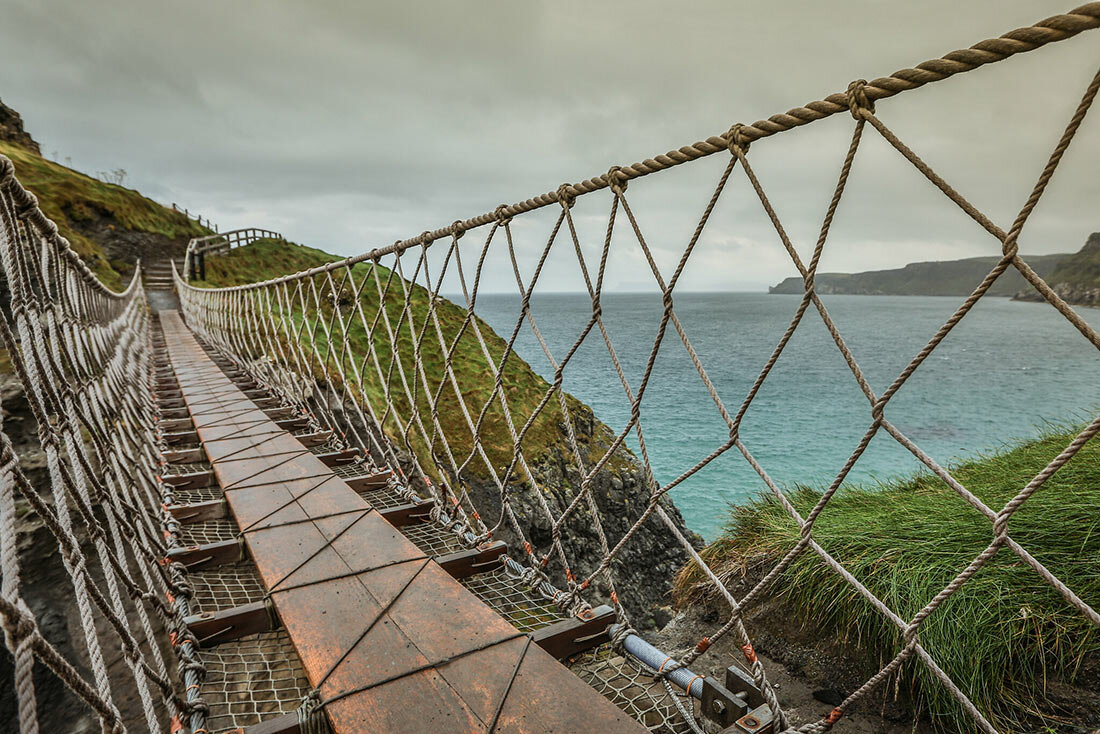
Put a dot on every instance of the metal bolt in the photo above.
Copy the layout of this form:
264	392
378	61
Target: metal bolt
750	722
719	707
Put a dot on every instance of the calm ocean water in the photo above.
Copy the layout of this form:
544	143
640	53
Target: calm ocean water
1006	370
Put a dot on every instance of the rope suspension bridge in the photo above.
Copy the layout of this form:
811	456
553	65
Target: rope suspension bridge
264	497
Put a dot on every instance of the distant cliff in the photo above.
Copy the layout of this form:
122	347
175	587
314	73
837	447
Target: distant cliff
947	278
11	130
1076	278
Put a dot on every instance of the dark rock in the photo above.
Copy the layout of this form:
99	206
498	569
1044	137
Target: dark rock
121	245
11	129
830	696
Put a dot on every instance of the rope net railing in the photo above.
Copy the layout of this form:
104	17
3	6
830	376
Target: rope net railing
369	347
80	353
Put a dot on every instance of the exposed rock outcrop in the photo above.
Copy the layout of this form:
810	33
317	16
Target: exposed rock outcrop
12	131
1076	279
647	564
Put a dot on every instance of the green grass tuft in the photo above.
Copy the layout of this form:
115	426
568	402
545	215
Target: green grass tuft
1002	637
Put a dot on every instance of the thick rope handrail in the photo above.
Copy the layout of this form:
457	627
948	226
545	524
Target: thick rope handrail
378	357
1020	40
28	209
79	351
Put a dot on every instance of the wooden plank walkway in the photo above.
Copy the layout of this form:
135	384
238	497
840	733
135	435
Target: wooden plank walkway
390	639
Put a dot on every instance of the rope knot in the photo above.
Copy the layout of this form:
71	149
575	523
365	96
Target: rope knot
457	230
877	411
859	104
565	197
21	624
27	206
502	215
621	633
7	171
426	238
737	140
616	179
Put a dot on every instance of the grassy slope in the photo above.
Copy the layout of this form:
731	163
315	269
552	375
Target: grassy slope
524	389
1004	632
70	198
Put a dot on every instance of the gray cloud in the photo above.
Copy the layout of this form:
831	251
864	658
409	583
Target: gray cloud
349	125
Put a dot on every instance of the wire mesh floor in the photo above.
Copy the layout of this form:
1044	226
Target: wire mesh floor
636	692
432	539
224	587
250	679
508	598
382	498
194	496
211	531
177	469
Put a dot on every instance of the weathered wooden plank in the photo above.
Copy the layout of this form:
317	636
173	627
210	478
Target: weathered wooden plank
198	511
198	557
465	563
192	480
376	623
214	628
571	636
284	724
409	514
373	480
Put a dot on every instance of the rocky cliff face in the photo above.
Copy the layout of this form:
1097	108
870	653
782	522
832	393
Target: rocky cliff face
1076	279
944	278
646	566
11	129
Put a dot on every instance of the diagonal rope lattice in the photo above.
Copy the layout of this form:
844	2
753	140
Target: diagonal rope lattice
385	303
81	353
368	348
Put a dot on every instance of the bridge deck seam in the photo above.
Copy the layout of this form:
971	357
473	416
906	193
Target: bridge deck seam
390	649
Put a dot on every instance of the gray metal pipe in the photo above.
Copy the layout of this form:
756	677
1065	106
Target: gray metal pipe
654	658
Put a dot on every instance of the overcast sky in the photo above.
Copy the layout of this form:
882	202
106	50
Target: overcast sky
347	125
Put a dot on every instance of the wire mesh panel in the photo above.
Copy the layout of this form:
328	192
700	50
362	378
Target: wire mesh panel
225	586
251	679
381	498
210	531
432	539
193	496
192	468
637	691
510	599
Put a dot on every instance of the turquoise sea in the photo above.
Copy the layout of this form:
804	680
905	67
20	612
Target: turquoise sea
1006	370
